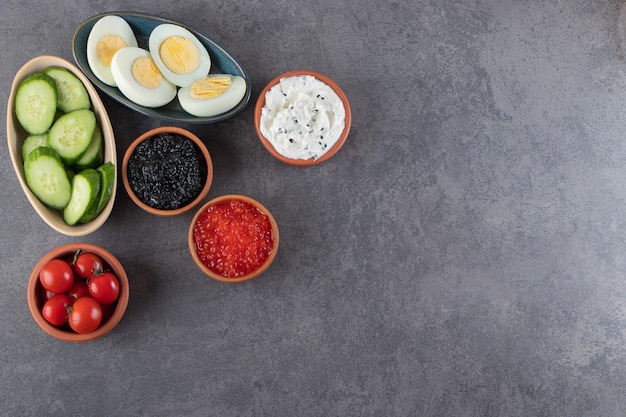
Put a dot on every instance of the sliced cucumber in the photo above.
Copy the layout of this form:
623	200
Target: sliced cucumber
46	177
107	179
32	142
85	189
71	134
72	94
93	156
36	103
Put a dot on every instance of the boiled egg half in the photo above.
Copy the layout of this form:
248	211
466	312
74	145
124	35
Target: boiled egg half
212	95
139	79
107	36
179	54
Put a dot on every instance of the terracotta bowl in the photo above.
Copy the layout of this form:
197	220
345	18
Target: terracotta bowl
198	143
16	136
303	162
254	273
34	291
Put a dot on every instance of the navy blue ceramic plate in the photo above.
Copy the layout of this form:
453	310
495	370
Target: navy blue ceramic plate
222	62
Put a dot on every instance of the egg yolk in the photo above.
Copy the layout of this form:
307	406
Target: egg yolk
107	46
146	73
179	55
209	87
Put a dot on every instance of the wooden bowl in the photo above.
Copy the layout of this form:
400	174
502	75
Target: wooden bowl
181	132
16	135
253	273
34	290
311	161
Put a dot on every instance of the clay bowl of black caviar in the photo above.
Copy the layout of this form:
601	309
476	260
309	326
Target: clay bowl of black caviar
167	171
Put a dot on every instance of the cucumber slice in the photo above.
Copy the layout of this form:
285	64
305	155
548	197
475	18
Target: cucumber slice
85	189
36	103
32	142
71	134
107	179
46	177
72	94
94	155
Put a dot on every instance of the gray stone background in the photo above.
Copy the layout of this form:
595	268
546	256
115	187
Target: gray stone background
463	255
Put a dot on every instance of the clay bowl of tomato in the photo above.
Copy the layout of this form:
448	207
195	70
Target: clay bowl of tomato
78	292
233	238
167	171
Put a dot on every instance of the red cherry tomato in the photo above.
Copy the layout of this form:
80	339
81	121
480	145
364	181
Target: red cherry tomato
85	315
77	290
87	264
55	309
56	276
105	288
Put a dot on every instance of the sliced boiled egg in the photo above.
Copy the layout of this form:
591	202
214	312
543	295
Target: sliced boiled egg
107	36
179	54
139	79
212	95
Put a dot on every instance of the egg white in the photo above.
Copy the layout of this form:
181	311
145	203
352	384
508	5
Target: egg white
213	106
107	25
160	34
121	68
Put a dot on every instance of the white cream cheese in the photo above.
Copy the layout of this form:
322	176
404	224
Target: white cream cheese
302	118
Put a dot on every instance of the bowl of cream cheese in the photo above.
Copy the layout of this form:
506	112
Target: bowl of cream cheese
302	117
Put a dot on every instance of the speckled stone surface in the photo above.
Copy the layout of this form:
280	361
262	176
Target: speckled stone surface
464	254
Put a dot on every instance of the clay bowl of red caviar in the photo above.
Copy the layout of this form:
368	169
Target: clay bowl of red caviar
233	238
302	118
167	171
66	299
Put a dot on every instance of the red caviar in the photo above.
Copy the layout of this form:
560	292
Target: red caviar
233	238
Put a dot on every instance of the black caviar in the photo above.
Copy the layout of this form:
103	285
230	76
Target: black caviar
167	171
